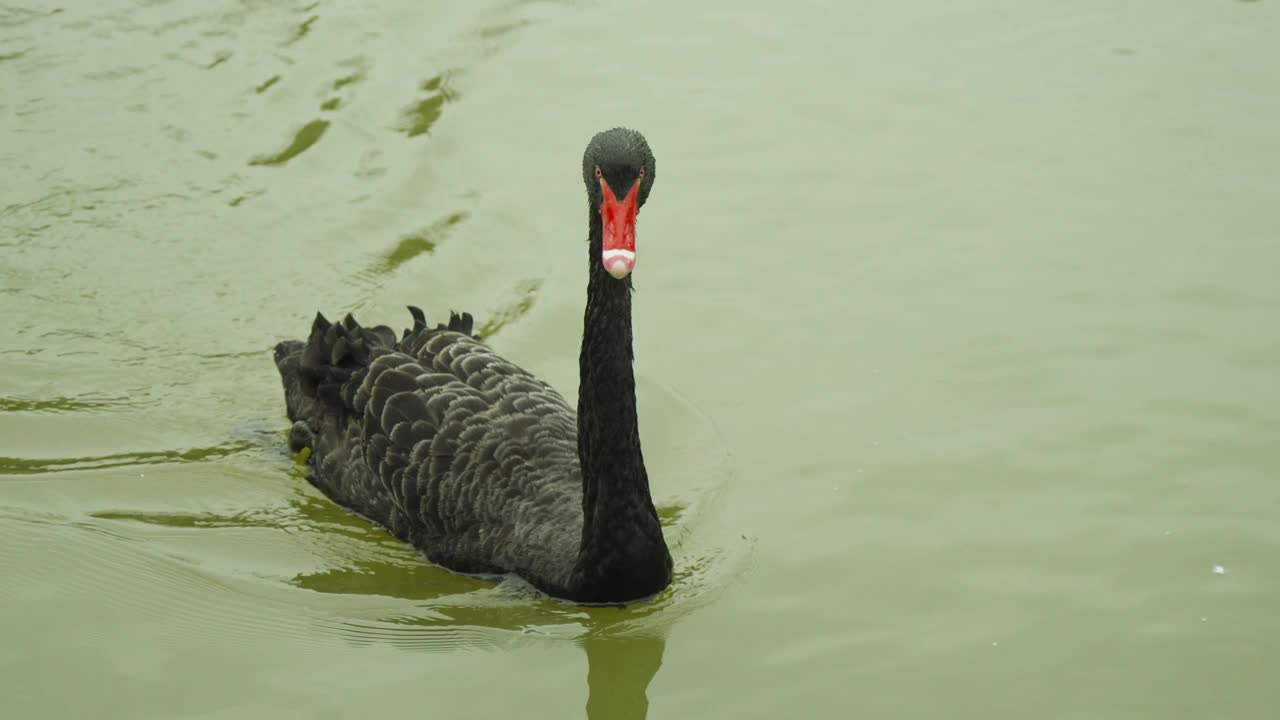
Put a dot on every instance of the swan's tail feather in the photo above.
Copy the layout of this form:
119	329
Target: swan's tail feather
419	321
318	375
462	323
288	357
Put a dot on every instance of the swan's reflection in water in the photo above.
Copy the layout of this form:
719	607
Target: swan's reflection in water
623	651
385	593
621	661
619	670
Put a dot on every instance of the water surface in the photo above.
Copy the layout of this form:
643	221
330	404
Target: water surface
956	345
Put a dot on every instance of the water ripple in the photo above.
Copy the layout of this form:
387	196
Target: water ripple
305	137
419	117
34	466
526	296
81	403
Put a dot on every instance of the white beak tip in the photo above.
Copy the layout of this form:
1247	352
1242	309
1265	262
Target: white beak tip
619	263
619	269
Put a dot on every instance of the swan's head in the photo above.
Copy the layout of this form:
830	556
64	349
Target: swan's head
618	169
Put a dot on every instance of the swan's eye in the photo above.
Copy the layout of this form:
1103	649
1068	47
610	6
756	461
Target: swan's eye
599	174
641	172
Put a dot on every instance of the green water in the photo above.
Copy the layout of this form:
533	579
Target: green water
957	350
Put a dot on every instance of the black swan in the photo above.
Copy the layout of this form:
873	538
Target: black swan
473	460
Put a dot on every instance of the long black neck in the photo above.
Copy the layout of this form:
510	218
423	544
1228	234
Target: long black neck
622	552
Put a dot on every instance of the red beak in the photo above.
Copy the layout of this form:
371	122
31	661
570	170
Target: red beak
619	251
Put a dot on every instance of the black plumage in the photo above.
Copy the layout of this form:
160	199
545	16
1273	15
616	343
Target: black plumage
475	461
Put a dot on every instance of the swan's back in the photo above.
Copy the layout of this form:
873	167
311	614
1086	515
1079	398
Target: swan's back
439	439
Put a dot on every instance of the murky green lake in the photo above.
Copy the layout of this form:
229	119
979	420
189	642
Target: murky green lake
957	338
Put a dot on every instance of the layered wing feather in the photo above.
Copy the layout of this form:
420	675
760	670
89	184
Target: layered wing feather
443	441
